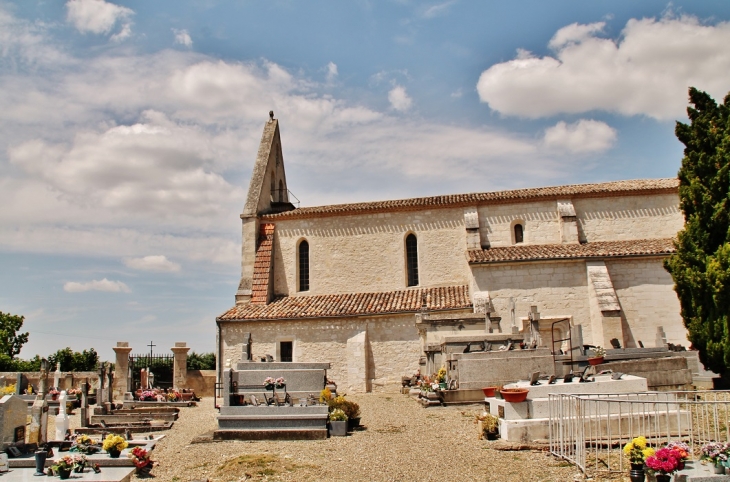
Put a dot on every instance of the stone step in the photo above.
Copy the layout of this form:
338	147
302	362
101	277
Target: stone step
271	434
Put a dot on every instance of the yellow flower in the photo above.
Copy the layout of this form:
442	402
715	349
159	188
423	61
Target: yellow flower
628	448
640	442
648	452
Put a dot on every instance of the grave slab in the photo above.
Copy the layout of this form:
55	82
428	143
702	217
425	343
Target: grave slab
13	417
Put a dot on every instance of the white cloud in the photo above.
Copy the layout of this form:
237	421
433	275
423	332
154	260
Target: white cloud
438	9
646	71
99	17
331	72
399	99
152	263
583	136
96	285
182	37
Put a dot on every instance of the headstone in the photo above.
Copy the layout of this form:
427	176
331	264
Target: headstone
534	378
101	392
615	343
84	405
246	348
13	414
110	385
38	428
661	337
62	417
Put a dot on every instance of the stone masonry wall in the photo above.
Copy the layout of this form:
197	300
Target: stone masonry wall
556	288
630	217
393	350
539	219
645	292
366	253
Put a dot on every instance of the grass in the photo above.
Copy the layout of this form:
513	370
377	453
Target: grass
255	466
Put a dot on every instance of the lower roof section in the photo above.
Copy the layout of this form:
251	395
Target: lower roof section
353	304
599	249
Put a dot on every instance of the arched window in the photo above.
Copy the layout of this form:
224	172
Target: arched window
281	191
412	259
519	233
303	259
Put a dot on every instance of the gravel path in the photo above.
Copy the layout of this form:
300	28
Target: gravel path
401	442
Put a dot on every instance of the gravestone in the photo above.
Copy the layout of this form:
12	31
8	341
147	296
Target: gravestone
57	377
38	428
102	393
13	415
62	417
246	348
84	405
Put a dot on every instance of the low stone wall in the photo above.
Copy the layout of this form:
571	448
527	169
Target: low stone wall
662	374
66	381
477	370
202	382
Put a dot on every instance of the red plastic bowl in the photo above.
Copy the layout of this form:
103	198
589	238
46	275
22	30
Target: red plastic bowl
489	391
514	395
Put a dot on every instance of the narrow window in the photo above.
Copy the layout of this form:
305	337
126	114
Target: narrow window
519	233
286	352
304	266
281	191
273	187
412	259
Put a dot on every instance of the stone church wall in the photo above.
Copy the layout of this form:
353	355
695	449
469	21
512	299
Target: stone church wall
645	292
539	220
629	217
392	347
366	253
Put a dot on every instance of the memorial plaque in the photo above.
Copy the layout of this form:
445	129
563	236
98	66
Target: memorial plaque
19	434
534	377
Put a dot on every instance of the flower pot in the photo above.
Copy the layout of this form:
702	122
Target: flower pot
636	474
491	435
64	473
40	462
489	391
353	423
442	386
595	360
79	468
338	428
113	453
718	468
144	471
663	477
514	395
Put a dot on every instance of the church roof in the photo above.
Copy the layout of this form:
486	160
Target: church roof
598	249
353	304
615	188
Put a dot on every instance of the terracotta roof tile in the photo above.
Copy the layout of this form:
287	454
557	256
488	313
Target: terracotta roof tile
601	249
616	188
262	265
353	304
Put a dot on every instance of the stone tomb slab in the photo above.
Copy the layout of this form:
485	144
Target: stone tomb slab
13	416
107	474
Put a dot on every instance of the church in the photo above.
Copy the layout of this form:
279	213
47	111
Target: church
374	287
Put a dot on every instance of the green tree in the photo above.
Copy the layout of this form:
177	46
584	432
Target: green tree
202	361
701	265
73	361
10	340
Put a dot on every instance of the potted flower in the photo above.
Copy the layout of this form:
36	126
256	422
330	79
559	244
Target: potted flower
716	453
598	353
85	445
489	425
269	383
637	451
440	378
280	382
351	409
173	396
80	462
114	444
147	395
53	393
338	423
663	463
142	461
682	452
63	466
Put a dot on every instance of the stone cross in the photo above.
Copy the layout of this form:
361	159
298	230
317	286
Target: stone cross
84	405
101	393
38	427
43	379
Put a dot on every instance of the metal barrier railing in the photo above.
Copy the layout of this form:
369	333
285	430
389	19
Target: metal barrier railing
590	430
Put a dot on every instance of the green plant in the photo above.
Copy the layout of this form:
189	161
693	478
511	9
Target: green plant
10	340
599	352
338	415
351	409
64	463
488	423
441	375
700	267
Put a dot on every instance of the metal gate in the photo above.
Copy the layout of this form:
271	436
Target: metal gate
161	367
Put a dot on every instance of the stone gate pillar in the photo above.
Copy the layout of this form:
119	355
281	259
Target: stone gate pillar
180	365
120	385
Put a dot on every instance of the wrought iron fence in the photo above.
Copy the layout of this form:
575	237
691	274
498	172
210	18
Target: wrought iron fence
590	430
161	367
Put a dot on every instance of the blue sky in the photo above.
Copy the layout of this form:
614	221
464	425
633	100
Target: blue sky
128	130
